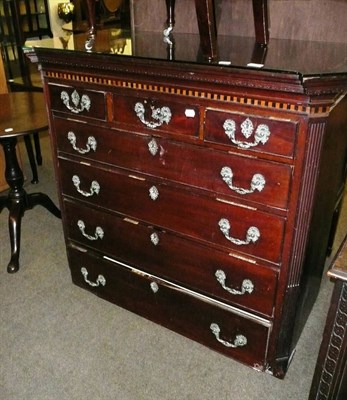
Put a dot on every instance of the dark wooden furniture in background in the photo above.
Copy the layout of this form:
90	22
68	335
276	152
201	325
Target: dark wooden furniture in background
99	14
200	195
318	20
330	378
206	18
20	114
207	28
20	20
4	86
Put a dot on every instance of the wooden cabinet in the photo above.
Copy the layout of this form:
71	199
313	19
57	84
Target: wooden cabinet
198	195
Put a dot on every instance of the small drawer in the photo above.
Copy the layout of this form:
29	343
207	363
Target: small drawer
251	133
77	101
201	268
213	324
248	179
149	114
229	225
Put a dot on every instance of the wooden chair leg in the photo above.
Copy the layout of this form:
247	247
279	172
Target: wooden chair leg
261	22
207	27
170	9
31	157
37	148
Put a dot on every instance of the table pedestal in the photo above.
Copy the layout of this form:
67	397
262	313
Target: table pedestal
18	201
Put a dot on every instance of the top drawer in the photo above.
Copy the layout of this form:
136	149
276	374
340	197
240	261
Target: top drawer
78	102
156	114
251	133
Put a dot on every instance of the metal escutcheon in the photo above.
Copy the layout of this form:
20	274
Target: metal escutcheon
154	287
153	193
154	238
153	147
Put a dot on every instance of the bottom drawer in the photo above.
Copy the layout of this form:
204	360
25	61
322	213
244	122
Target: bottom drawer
223	328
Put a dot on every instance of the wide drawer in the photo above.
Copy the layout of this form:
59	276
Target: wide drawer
77	101
251	133
229	225
201	268
253	180
151	114
222	328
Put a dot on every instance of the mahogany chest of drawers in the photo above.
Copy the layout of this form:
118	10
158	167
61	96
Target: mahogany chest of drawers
198	196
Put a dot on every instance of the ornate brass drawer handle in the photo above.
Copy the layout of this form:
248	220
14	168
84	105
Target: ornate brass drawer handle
246	287
94	187
159	115
79	103
99	281
261	135
239	341
99	232
257	182
91	143
253	233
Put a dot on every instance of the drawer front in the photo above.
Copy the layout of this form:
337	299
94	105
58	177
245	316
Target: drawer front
169	256
77	101
155	114
251	133
199	319
249	179
231	226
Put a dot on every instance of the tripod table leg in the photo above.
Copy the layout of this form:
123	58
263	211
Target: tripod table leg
14	226
43	200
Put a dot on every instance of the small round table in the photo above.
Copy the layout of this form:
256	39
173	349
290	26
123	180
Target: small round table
21	114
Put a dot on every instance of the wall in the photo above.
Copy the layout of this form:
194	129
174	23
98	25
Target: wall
319	20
